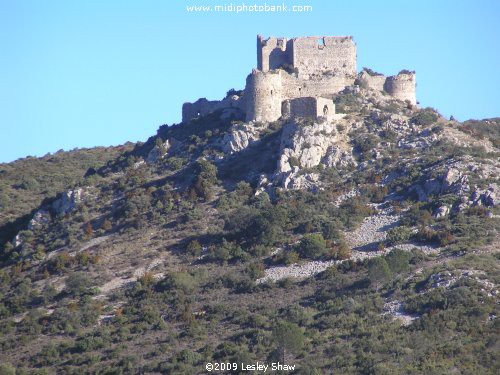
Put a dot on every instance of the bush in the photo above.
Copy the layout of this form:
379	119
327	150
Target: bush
398	260
425	117
78	283
312	246
398	235
179	281
378	271
7	369
294	162
194	248
206	173
288	337
341	251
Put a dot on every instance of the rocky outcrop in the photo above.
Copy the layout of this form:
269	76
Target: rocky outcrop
453	181
307	146
240	136
158	152
489	197
295	180
67	201
40	218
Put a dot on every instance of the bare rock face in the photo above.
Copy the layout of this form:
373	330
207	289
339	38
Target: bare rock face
295	180
453	181
335	157
158	152
240	137
308	146
67	202
489	197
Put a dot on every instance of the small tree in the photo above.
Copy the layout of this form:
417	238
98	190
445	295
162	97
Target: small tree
378	271
106	225
288	337
194	248
206	178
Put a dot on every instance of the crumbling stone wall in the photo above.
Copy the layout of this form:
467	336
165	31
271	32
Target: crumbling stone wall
318	55
319	68
308	107
309	55
203	107
266	91
376	82
325	85
273	53
402	87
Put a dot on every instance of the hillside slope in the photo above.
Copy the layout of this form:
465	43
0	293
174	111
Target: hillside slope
364	245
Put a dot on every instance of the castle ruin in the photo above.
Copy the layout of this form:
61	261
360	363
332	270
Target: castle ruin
298	77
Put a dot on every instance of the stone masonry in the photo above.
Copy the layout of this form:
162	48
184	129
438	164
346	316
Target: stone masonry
298	77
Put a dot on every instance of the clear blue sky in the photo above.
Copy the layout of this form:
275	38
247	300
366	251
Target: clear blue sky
88	73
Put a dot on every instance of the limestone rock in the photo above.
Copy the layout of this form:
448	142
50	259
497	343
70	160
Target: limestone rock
40	218
262	185
17	241
158	152
240	137
309	146
67	202
452	181
489	197
335	157
442	212
294	180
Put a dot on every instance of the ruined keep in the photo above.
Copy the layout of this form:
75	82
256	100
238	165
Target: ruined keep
298	77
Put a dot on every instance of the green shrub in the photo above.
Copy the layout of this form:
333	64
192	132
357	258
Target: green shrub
79	283
378	271
7	369
398	235
288	337
398	260
424	117
194	248
312	246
